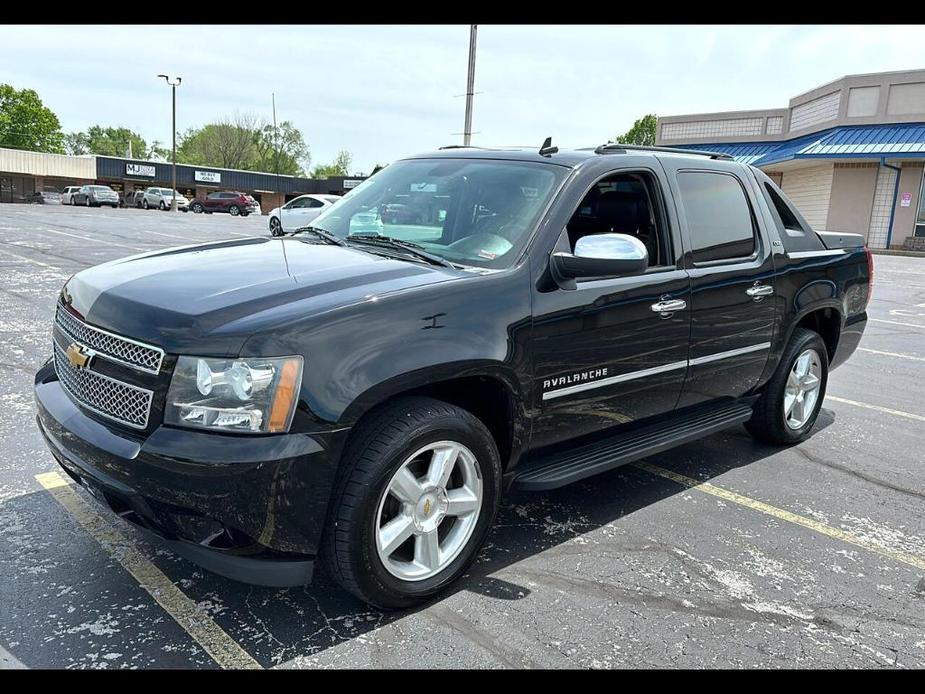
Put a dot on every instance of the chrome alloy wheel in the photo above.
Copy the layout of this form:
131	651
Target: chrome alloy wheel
802	389
428	511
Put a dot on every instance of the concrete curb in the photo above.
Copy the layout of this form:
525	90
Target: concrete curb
911	254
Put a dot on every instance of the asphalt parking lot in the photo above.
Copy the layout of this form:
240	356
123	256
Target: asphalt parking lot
724	553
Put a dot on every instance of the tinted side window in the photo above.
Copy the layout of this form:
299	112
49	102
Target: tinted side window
314	203
718	215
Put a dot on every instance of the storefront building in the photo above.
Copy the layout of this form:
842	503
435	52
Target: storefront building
22	173
850	154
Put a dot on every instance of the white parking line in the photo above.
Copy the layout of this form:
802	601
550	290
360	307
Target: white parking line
878	408
30	260
891	354
896	322
90	238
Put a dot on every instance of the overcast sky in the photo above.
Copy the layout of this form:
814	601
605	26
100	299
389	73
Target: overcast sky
382	92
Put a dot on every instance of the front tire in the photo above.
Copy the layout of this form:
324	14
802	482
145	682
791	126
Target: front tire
787	410
144	203
162	206
234	210
88	203
196	208
417	494
276	227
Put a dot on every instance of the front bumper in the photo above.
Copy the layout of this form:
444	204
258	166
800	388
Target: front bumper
249	508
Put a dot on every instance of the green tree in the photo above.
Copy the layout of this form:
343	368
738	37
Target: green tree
339	167
26	123
642	132
111	142
229	144
286	143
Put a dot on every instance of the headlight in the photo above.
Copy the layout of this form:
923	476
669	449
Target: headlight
253	395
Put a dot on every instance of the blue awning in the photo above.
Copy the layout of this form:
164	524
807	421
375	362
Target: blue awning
846	142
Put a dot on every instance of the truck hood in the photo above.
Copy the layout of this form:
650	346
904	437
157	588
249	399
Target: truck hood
207	299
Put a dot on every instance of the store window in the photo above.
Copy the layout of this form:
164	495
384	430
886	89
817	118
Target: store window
920	217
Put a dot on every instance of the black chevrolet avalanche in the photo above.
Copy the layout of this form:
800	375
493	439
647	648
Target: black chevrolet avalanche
364	390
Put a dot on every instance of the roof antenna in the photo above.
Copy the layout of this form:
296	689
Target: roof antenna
547	148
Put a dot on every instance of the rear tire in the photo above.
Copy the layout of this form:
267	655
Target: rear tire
162	206
89	204
787	410
364	502
144	203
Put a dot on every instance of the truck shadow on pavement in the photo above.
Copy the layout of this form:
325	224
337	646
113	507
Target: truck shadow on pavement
65	602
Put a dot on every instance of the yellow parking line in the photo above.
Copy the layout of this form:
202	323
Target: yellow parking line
885	410
891	354
223	649
821	528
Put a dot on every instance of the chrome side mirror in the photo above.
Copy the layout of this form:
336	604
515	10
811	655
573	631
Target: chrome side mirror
601	255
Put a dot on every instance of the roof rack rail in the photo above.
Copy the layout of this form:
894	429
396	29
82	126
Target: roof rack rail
619	148
459	147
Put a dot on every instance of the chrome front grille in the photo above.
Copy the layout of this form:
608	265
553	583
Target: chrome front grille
129	352
124	403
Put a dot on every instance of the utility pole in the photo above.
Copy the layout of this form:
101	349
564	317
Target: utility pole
173	86
470	85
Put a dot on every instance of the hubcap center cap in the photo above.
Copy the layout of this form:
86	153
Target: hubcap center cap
430	509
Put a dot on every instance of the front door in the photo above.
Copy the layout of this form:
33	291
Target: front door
732	279
604	355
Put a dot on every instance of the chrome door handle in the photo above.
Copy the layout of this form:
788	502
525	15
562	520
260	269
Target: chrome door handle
760	290
665	307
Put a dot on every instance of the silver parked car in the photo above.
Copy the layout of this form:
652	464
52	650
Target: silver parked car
95	196
67	195
162	198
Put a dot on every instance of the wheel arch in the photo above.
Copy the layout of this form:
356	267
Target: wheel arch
490	392
825	318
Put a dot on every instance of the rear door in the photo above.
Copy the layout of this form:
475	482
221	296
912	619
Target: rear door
730	263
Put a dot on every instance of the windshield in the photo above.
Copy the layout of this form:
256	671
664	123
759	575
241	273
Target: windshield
468	211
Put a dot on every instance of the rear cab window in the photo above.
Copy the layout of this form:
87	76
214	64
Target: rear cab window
719	217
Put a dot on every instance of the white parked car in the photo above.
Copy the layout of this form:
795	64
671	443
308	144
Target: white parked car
66	198
162	198
299	212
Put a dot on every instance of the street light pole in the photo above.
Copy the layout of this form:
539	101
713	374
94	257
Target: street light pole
173	86
470	86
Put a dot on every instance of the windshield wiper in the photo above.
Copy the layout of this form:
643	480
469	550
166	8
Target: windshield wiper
324	234
412	248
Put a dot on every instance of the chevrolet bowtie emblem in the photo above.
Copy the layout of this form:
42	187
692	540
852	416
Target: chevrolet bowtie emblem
76	356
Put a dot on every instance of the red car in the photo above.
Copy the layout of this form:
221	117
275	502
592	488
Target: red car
232	202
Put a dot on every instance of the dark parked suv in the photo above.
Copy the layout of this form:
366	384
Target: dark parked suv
232	202
366	393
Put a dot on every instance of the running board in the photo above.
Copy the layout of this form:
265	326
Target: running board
592	459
